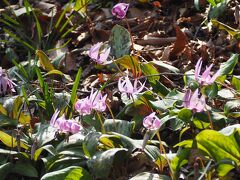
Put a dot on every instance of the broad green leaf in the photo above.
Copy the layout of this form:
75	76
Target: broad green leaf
220	147
210	91
44	61
149	70
150	176
20	168
236	82
17	107
185	115
69	173
91	142
228	66
231	108
227	131
119	126
105	161
120	41
10	141
6	121
49	148
180	160
24	118
45	133
165	66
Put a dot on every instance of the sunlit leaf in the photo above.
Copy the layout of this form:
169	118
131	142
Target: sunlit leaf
10	141
44	61
150	176
120	41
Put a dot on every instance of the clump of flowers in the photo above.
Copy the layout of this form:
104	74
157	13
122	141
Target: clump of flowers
151	122
64	125
205	78
120	10
99	55
193	102
6	84
125	86
96	101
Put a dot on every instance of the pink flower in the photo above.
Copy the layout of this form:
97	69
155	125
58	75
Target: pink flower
151	122
205	78
98	56
193	102
5	83
93	102
64	125
125	86
120	10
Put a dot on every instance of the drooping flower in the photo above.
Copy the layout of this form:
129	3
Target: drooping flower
64	125
205	78
5	83
125	86
151	122
120	10
96	101
97	55
193	102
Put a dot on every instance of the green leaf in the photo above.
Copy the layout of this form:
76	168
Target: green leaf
69	173
228	66
20	168
10	141
236	82
6	121
119	126
105	161
166	66
148	69
73	98
150	176
49	148
81	5
17	107
120	41
220	147
231	108
54	71
211	91
185	115
44	61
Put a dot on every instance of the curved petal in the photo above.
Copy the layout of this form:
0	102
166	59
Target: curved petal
93	53
198	69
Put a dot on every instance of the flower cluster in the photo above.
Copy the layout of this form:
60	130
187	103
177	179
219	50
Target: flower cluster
93	102
151	122
120	10
192	101
5	83
205	78
99	55
64	125
125	86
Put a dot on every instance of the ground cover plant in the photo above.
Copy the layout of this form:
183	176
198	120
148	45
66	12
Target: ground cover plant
139	89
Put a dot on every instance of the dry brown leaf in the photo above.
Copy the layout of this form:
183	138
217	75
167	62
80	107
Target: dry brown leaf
179	44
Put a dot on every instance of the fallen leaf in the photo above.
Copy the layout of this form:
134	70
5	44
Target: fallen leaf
179	44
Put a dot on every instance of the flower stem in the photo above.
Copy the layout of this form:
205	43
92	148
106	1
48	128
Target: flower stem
101	122
162	149
129	29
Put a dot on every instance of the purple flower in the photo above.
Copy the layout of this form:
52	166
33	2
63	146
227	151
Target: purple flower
120	10
125	86
151	122
98	56
93	102
64	125
5	83
193	102
205	78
